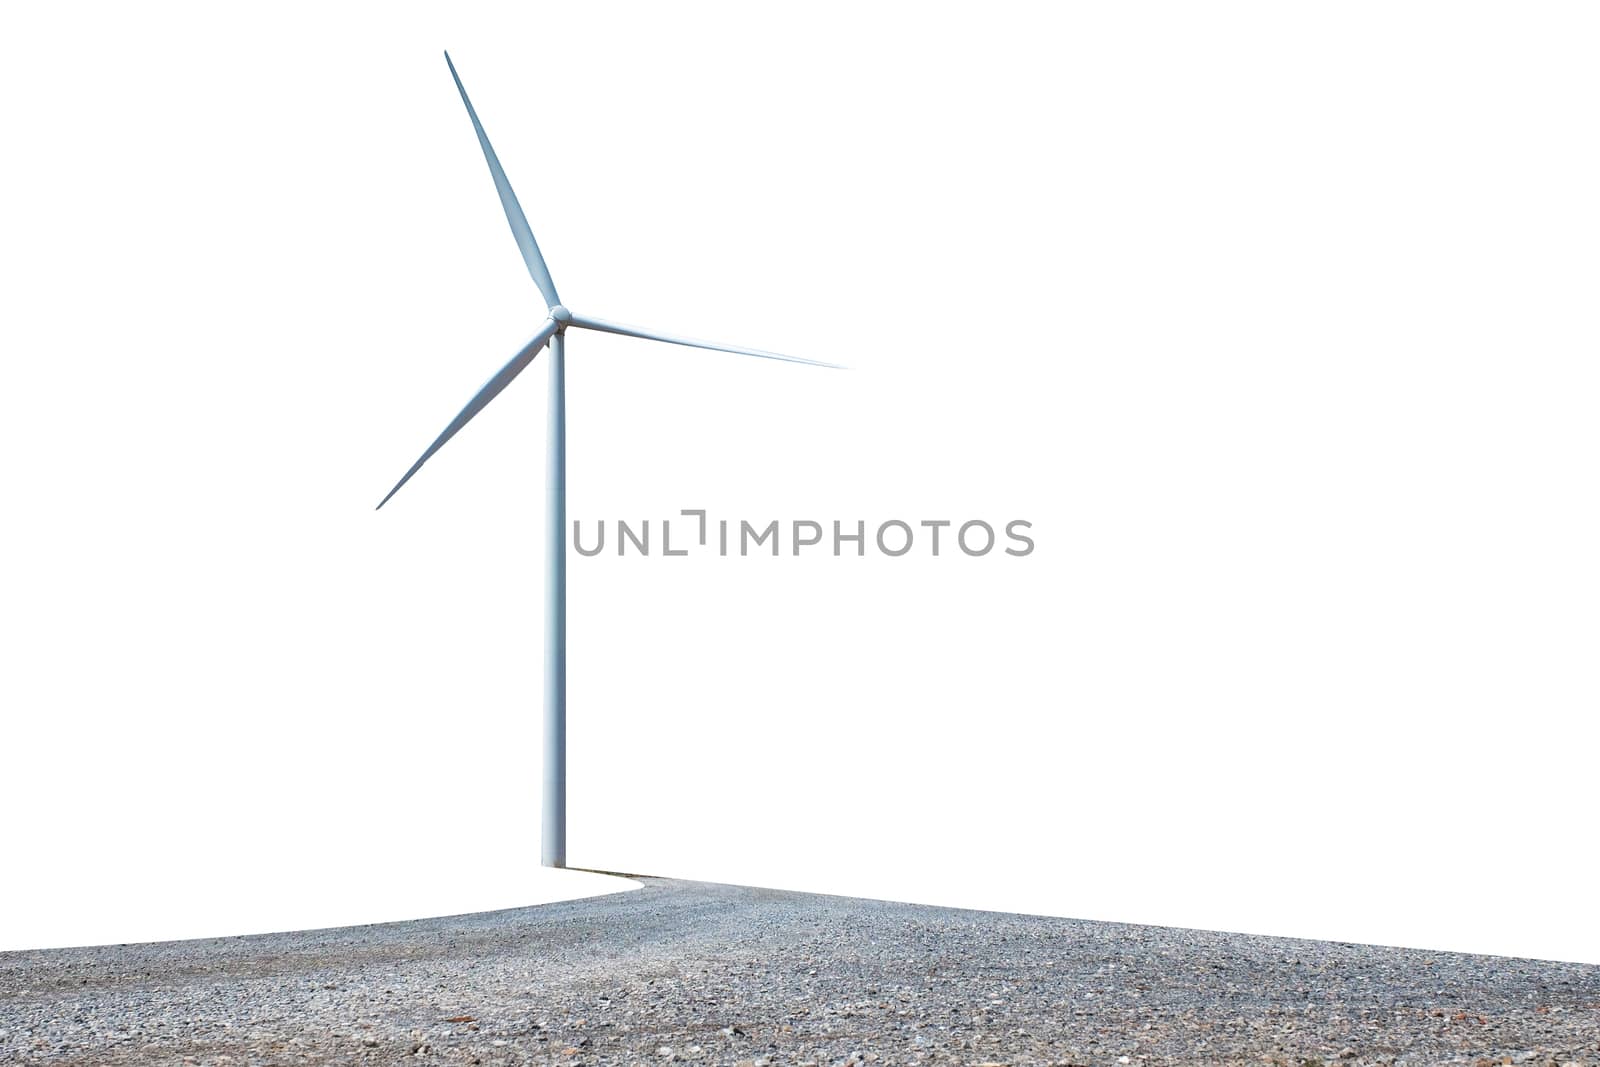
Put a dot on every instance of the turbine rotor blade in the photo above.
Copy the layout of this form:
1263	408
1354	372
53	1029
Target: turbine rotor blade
490	390
508	200
651	335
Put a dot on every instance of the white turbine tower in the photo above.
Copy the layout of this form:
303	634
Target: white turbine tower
553	847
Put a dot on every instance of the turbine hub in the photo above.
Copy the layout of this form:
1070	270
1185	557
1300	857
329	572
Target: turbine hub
561	314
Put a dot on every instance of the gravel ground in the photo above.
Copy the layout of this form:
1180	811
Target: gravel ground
715	974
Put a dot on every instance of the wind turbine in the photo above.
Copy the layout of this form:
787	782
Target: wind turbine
553	840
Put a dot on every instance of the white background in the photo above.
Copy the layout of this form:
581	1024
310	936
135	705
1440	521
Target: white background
1277	322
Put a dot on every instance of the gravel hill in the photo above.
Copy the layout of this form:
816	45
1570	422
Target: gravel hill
684	972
